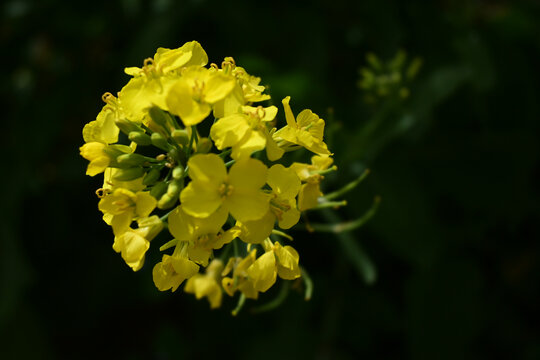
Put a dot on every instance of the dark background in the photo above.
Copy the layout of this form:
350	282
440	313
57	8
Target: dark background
455	240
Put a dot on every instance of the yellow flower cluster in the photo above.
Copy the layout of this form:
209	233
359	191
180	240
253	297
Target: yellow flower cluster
218	191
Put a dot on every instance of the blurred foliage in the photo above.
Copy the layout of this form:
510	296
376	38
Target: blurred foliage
456	163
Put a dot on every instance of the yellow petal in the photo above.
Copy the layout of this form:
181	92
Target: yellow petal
288	112
287	265
273	151
246	205
207	168
145	204
283	181
263	272
184	267
308	196
256	231
229	130
248	174
289	218
181	225
218	87
200	200
98	165
252	141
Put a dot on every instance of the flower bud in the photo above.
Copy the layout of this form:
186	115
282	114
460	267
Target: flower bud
158	116
140	138
130	159
151	177
158	189
166	202
127	126
174	188
128	174
159	141
178	172
181	137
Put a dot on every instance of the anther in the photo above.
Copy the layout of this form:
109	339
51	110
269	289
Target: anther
101	192
148	62
107	97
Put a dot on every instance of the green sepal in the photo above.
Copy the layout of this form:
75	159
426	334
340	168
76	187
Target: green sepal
181	137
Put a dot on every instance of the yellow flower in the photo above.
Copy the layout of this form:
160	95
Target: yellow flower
192	95
103	129
134	243
285	185
311	178
247	132
173	270
253	92
122	206
239	191
307	130
239	280
277	260
207	284
95	153
168	60
151	83
203	234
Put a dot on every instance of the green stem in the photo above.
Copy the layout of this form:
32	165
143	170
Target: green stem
238	307
329	204
282	234
308	282
278	300
349	225
350	186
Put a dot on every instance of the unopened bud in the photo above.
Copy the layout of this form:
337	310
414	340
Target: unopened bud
178	172
181	137
174	188
166	202
127	126
130	159
140	138
158	189
159	141
158	116
151	177
128	174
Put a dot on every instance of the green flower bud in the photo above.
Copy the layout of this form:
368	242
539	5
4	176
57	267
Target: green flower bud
158	116
129	174
127	126
158	189
167	202
174	188
130	159
151	177
178	172
159	141
140	138
181	137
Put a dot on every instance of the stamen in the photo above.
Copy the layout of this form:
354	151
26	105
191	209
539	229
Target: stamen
101	192
148	62
107	97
